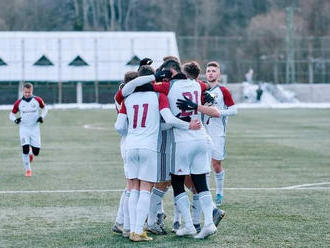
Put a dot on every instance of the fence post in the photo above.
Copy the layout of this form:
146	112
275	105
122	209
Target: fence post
79	93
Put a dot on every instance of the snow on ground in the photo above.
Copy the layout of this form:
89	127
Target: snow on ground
239	105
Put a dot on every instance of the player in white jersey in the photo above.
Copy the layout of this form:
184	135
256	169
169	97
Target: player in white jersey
29	118
216	127
142	111
192	70
121	225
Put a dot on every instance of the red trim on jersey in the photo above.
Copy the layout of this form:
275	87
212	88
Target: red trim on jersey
228	100
163	101
15	107
40	101
203	85
161	87
123	109
119	96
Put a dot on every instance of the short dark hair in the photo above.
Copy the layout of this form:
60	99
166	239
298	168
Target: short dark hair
171	64
192	69
145	70
213	63
28	86
130	75
170	57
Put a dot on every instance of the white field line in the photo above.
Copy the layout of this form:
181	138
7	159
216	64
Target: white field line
95	127
294	187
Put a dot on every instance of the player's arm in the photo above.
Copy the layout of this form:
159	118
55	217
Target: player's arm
188	104
118	99
143	83
14	111
229	102
44	109
232	110
130	87
171	119
121	124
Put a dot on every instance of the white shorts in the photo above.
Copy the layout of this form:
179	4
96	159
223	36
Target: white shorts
219	147
141	164
30	136
191	158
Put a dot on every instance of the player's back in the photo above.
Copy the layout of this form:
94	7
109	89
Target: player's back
143	120
191	89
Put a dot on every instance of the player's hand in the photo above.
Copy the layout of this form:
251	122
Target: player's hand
209	98
146	61
186	104
160	75
18	120
183	118
40	119
195	124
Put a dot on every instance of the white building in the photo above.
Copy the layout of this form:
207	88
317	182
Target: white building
79	56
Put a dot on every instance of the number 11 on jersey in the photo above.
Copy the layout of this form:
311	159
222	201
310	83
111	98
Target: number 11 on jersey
144	115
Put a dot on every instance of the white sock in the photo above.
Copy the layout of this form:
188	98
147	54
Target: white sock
206	203
182	201
133	200
176	213
142	210
208	180
126	210
156	198
219	181
120	212
196	210
26	161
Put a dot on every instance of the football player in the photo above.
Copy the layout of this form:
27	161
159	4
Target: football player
29	107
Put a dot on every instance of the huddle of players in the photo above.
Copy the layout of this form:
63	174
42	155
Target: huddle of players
164	142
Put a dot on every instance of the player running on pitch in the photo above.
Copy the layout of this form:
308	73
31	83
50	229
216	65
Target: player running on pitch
29	118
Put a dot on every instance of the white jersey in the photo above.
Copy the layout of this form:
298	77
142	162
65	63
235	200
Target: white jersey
29	110
142	109
191	89
223	100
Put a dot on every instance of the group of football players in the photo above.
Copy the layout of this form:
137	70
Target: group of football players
173	127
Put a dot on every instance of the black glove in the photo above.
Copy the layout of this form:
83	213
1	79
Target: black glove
209	98
162	74
186	104
145	61
40	119
18	120
184	118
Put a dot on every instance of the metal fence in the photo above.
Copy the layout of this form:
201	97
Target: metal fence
268	58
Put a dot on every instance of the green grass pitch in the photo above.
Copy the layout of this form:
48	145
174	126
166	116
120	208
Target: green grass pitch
265	149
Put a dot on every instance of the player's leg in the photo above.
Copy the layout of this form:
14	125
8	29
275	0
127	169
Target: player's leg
25	143
155	210
132	163
142	210
147	174
118	226
26	160
126	226
218	155
195	208
199	169
35	140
